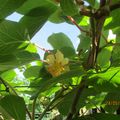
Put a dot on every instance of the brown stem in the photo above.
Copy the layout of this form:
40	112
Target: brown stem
97	23
33	109
74	22
96	26
92	54
47	51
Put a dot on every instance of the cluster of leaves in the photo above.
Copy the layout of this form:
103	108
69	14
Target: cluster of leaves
92	82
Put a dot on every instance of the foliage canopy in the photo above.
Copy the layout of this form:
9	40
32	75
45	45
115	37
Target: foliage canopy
69	81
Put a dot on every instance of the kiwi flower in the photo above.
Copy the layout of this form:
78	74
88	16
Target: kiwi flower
57	64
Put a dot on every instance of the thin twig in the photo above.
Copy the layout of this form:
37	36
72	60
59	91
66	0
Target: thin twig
109	44
104	37
74	22
42	48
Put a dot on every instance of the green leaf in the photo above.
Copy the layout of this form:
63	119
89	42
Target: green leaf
8	75
5	115
59	40
31	48
115	20
63	43
107	21
57	16
14	60
9	6
31	5
66	102
112	75
85	42
95	100
69	7
84	21
103	59
115	60
45	85
43	77
101	85
116	31
12	37
38	12
15	106
51	91
103	39
32	71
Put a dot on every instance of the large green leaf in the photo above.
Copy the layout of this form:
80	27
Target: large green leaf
57	16
32	4
63	43
66	102
84	47
15	106
84	21
116	31
32	71
112	75
85	42
115	20
9	6
45	85
8	75
69	7
95	100
115	60
12	37
5	115
101	85
103	59
59	40
33	27
14	60
36	14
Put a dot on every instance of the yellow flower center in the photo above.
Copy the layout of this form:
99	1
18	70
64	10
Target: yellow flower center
57	64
